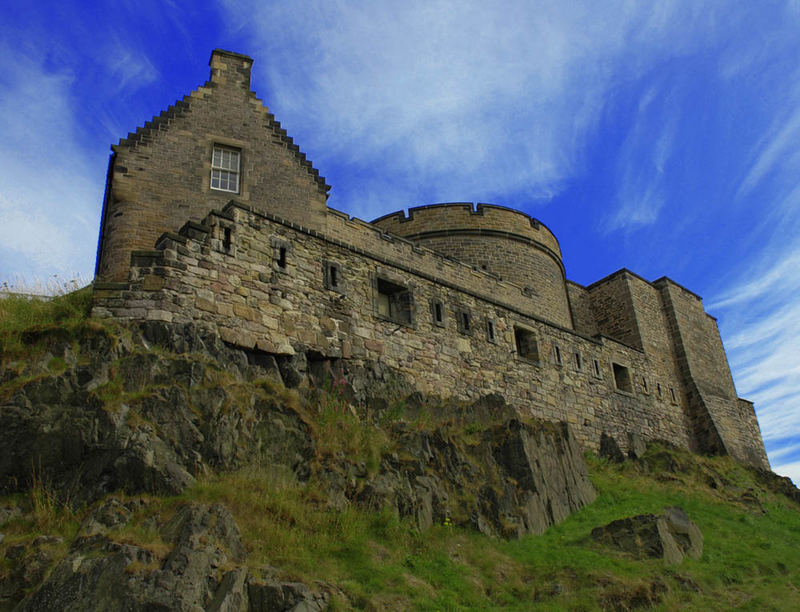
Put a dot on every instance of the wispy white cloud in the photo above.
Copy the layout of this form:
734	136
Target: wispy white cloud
790	450
643	157
759	318
471	99
49	191
126	67
782	276
776	148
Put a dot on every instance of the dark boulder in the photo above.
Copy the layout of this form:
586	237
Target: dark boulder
671	536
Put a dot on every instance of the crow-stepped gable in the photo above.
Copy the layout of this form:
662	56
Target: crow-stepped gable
213	215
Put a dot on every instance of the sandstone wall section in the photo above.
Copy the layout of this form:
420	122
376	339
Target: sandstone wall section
242	290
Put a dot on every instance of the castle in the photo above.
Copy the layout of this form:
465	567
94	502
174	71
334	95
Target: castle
213	215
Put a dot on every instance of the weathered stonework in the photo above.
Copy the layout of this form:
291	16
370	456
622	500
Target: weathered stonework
460	300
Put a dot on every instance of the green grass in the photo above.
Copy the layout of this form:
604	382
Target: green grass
379	561
374	560
20	315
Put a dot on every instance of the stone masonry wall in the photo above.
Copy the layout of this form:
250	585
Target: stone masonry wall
612	306
503	242
241	289
651	322
718	416
581	307
449	295
160	175
540	277
462	215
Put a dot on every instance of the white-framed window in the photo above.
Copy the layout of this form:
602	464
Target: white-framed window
225	169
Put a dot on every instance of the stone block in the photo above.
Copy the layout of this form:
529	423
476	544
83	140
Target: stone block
374	345
244	312
152	283
205	305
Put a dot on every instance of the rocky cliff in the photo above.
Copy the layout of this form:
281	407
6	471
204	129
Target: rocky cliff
94	415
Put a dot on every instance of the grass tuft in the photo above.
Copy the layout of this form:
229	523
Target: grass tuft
20	314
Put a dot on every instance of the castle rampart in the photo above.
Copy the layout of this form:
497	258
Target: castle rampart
254	302
505	242
459	300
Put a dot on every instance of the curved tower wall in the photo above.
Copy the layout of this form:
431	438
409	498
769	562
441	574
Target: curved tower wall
504	242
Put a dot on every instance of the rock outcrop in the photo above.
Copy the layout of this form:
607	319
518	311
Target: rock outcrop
671	536
513	479
120	416
200	570
149	409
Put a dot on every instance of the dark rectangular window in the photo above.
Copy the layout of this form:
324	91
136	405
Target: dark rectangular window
644	385
490	335
557	354
464	321
526	344
226	240
394	302
658	389
596	365
332	272
622	378
437	313
672	393
280	253
578	362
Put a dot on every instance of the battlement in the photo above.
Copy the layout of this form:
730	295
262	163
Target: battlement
453	217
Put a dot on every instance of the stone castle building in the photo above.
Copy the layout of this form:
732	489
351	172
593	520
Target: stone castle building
212	214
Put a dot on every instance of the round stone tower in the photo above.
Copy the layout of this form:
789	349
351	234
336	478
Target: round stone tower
499	240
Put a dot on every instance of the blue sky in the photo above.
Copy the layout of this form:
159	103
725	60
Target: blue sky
662	137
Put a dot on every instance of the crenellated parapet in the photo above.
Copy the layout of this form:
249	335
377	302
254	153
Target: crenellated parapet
425	221
495	239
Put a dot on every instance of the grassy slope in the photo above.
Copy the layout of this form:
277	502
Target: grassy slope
376	561
750	558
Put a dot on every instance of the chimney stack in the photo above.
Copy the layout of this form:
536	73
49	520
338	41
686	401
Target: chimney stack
230	68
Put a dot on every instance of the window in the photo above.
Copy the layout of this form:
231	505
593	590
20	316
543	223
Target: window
578	362
394	302
225	169
464	321
658	389
280	253
596	367
672	394
525	341
332	274
557	354
437	313
622	378
644	385
223	239
490	334
226	240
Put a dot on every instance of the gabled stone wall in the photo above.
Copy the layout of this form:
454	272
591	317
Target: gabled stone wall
159	176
